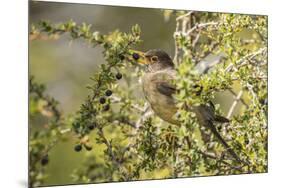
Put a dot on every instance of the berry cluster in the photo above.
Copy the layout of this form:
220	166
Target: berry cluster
103	100
85	141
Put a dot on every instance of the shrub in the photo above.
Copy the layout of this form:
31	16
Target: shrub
137	144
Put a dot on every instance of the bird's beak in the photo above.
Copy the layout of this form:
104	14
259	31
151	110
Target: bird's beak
139	57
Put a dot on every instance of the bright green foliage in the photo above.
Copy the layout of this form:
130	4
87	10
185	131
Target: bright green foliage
137	144
241	41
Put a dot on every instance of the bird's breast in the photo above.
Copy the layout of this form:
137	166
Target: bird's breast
163	106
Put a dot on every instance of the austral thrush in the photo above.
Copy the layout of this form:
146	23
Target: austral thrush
159	90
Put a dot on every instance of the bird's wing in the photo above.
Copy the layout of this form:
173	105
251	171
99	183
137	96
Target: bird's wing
164	83
166	88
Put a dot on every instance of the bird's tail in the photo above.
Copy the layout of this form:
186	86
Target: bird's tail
221	119
212	127
206	116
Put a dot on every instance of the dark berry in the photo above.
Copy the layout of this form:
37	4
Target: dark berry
136	56
92	126
118	76
121	56
108	93
106	107
45	160
78	148
102	100
88	147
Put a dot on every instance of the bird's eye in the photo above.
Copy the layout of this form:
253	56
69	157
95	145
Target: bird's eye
154	59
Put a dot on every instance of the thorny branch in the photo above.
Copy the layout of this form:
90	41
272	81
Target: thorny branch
192	32
235	102
187	28
244	60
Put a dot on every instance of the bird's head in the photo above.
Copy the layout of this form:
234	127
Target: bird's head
155	59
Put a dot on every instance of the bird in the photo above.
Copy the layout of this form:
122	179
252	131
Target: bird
159	90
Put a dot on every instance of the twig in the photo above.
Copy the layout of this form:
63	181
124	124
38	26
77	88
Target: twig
51	102
145	115
127	122
241	99
109	147
197	26
220	160
196	39
235	102
39	36
251	57
242	60
176	44
115	99
184	16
